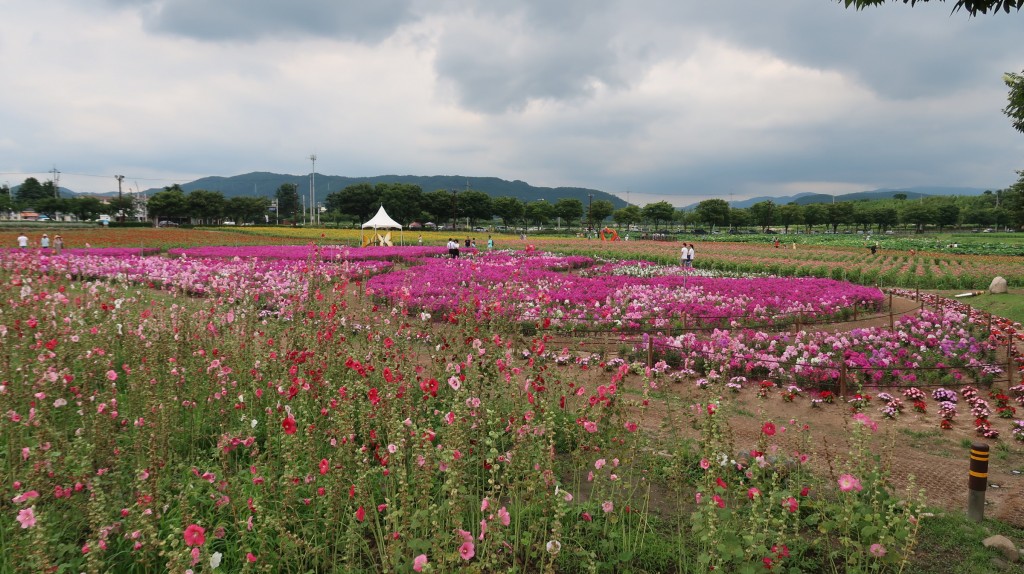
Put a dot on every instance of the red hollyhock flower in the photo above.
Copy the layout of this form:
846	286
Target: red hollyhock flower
324	466
289	426
768	429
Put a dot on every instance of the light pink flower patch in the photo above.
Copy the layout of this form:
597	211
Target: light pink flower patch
27	517
848	482
419	562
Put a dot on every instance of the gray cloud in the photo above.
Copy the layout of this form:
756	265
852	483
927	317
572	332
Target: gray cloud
250	21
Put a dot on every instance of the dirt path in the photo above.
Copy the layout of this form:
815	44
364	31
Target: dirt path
913	445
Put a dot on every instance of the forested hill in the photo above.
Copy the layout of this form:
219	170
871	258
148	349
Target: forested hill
265	184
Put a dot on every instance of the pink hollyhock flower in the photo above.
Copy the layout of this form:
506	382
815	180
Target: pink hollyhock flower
25	496
195	535
607	506
419	562
790	504
877	550
752	493
503	516
467	551
705	463
599	463
719	501
250	557
848	482
360	514
111	375
27	517
590	426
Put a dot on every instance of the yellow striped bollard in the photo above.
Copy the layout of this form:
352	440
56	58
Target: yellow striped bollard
977	482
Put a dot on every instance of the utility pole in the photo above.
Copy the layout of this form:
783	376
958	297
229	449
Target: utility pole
56	182
590	209
119	179
312	188
454	193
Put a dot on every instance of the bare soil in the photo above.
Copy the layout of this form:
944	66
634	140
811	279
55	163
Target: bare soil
911	446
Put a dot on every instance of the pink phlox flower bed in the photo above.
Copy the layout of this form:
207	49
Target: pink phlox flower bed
525	288
875	357
274	280
311	251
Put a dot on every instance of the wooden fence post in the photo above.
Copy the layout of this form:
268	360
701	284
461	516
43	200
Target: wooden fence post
1009	362
842	379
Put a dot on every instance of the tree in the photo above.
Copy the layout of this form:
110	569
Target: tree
475	205
814	214
918	214
31	191
170	202
790	214
288	202
438	205
84	207
947	214
838	213
1015	107
629	215
122	207
509	209
247	209
659	212
6	199
402	201
599	211
569	209
972	7
714	212
739	217
539	212
763	213
206	206
885	218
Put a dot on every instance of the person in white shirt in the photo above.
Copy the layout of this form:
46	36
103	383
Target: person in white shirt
22	240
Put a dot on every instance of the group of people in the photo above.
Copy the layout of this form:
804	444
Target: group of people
453	245
44	242
686	256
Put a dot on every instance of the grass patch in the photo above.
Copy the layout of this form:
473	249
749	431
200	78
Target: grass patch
1009	305
949	543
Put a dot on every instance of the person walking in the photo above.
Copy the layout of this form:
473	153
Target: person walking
419	240
22	240
490	243
44	243
58	244
689	257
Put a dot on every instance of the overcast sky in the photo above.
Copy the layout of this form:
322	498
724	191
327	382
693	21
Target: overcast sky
652	100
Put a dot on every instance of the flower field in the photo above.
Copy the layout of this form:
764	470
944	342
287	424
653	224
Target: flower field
317	408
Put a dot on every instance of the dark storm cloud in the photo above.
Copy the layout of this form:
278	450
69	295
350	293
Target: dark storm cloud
561	50
525	51
254	20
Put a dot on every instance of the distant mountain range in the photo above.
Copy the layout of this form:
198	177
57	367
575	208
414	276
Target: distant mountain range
266	184
884	193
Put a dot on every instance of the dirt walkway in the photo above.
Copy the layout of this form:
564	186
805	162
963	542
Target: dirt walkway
912	445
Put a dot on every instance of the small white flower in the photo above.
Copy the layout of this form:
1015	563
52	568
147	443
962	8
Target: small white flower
215	560
553	547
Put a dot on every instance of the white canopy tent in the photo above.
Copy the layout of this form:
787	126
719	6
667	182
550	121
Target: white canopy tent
381	221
